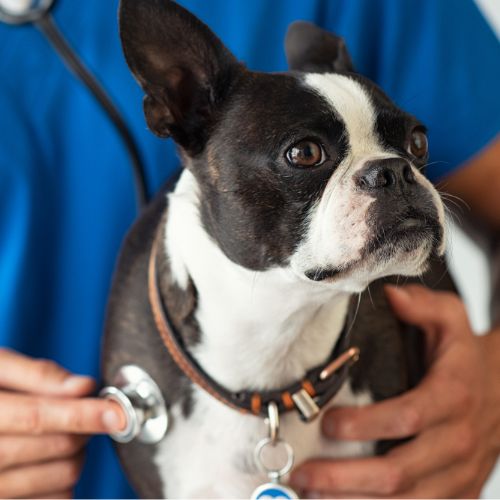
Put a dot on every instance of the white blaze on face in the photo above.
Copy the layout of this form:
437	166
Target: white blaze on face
338	230
353	106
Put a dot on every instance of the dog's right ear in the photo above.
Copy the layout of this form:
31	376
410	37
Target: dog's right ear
182	66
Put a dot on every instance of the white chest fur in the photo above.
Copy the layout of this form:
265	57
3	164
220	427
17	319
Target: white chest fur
210	454
259	329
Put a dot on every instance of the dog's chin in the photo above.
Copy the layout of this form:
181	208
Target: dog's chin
408	236
405	250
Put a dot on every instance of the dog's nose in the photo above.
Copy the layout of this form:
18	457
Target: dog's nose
388	173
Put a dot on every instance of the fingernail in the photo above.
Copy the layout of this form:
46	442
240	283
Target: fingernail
111	421
300	479
77	382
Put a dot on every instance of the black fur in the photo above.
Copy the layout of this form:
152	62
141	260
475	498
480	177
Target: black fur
131	336
234	128
185	78
253	203
314	50
391	362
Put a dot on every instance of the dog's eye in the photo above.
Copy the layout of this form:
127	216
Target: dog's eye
418	144
305	154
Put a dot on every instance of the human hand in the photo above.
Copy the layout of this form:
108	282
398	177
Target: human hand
454	414
43	419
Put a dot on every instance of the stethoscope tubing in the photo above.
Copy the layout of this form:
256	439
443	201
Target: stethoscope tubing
43	20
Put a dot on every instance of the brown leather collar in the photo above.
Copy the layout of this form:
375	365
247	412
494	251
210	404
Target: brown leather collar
308	395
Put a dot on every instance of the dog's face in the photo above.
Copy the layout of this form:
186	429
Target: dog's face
316	169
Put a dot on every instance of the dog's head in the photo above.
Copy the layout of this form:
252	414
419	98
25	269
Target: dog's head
315	169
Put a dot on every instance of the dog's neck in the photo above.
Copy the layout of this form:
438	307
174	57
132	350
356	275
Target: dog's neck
259	330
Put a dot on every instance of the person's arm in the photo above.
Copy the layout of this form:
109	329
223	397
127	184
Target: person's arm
478	184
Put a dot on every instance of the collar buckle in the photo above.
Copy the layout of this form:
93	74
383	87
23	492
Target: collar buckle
305	402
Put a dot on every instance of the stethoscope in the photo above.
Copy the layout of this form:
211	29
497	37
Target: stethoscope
37	12
132	388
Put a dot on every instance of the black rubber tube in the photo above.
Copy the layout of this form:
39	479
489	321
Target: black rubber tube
76	66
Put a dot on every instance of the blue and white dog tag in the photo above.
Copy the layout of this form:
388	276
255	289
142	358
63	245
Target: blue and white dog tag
273	490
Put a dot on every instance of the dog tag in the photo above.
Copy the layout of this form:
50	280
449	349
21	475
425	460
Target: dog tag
273	490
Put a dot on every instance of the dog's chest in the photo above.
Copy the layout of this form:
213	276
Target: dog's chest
210	453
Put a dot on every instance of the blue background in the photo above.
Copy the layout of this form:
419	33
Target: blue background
66	189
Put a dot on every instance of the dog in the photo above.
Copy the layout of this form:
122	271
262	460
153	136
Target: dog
298	191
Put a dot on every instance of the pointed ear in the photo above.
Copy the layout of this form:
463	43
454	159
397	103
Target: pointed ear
182	66
314	50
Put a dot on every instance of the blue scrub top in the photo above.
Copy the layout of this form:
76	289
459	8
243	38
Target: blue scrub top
66	189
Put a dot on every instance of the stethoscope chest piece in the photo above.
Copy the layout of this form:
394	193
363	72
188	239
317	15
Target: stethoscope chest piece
143	404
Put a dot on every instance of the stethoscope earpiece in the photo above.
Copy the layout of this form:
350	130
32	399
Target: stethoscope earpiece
37	12
24	11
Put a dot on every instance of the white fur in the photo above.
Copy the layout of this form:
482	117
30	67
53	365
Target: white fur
338	230
352	103
266	329
245	315
210	454
289	326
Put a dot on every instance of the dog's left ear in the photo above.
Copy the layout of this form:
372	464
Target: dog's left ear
182	66
314	50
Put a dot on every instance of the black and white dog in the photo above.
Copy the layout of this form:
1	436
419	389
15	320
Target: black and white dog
299	189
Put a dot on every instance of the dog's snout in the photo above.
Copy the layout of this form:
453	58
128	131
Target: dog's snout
388	173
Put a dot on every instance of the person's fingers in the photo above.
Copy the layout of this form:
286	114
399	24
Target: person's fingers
431	402
429	309
40	479
443	393
40	376
432	451
359	476
23	450
354	479
34	415
464	480
403	467
453	482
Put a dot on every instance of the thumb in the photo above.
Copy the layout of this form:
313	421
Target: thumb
40	376
420	306
441	315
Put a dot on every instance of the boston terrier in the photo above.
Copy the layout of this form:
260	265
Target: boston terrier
299	190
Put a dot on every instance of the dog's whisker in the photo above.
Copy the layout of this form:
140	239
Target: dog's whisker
370	295
355	315
450	197
296	180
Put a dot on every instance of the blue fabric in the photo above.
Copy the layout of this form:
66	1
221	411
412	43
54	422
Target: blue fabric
66	191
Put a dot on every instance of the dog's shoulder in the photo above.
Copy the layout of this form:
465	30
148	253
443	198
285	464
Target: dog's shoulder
130	334
131	337
127	318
